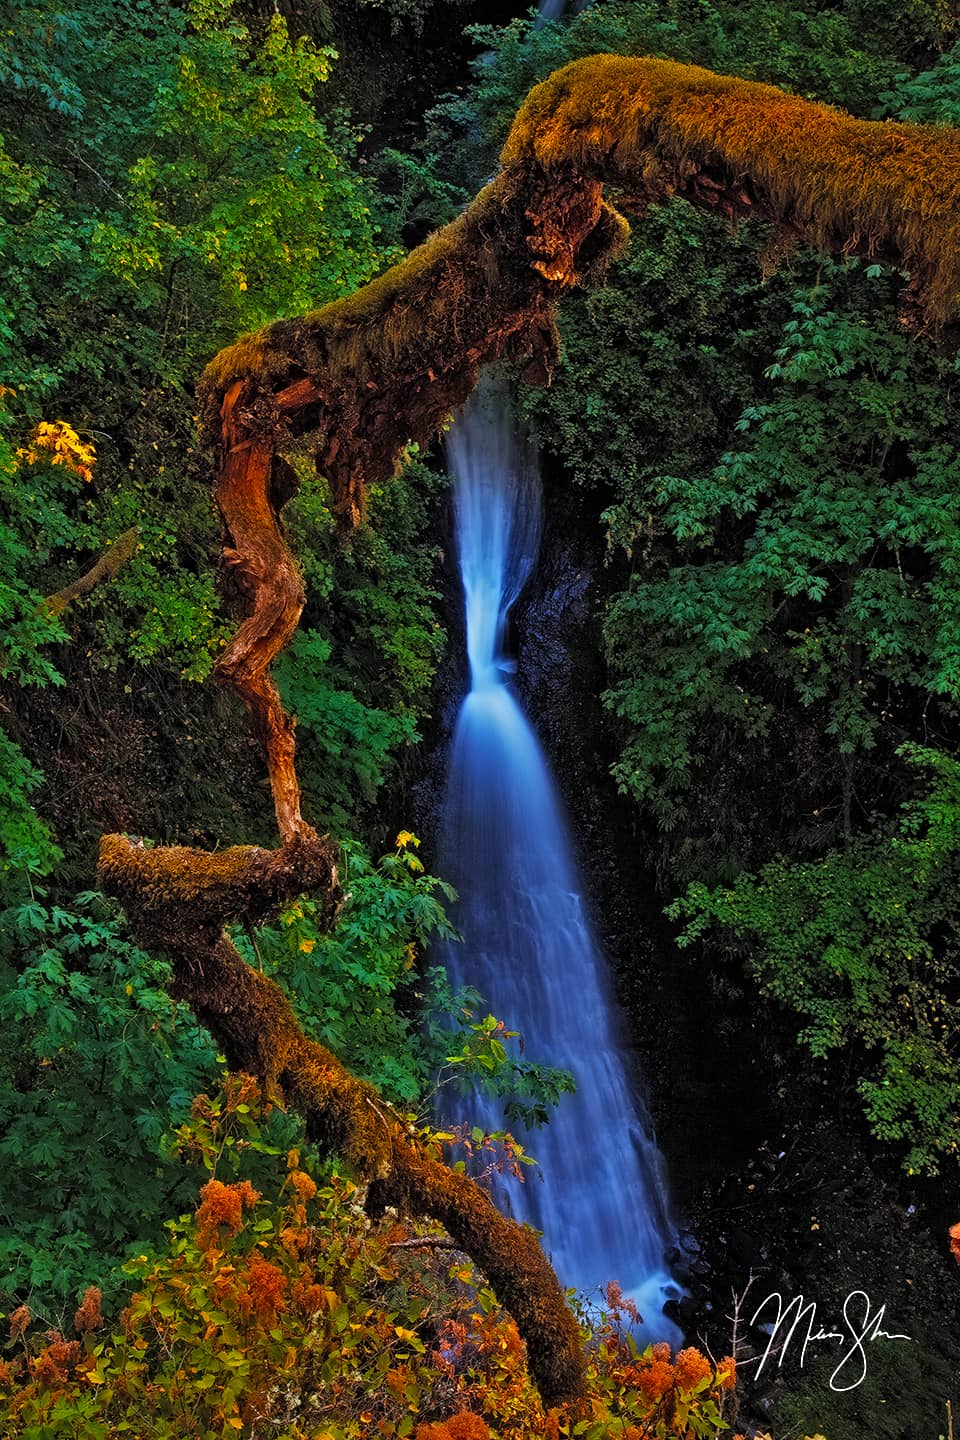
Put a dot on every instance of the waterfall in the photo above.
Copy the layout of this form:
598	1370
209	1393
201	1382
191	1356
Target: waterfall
527	944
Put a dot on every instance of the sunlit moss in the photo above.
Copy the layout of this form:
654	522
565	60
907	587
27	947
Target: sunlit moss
388	363
889	187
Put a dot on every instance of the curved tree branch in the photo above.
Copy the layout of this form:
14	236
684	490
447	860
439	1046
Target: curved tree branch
106	567
355	382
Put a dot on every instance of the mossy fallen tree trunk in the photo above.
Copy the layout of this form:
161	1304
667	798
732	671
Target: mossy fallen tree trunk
355	382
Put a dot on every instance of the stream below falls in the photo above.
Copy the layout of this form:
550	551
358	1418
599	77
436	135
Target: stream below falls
599	1191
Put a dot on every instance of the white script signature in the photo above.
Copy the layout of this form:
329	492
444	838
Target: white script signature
861	1325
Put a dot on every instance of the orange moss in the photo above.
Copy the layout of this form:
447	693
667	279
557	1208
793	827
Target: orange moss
174	876
202	887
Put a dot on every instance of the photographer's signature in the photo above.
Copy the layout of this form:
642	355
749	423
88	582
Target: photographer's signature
795	1324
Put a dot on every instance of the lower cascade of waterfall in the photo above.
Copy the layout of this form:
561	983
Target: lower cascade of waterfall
599	1195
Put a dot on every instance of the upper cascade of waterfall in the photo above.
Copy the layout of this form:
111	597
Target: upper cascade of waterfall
497	506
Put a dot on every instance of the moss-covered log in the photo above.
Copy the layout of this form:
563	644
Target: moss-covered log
355	382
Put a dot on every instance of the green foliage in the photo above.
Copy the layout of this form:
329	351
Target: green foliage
348	744
864	944
97	1060
657	361
174	180
244	190
812	570
371	635
930	98
363	991
27	848
530	1090
355	987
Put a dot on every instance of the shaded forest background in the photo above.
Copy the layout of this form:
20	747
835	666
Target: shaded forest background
751	457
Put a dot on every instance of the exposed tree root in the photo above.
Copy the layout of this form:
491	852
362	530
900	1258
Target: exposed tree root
354	383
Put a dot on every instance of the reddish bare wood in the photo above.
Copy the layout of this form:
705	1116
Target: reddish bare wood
263	568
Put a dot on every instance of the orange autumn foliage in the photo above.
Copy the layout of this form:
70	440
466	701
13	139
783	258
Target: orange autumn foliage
727	1373
229	1330
691	1367
653	1379
265	1286
222	1205
304	1186
463	1426
88	1317
954	1233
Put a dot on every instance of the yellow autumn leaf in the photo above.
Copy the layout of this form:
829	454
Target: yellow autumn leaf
57	443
